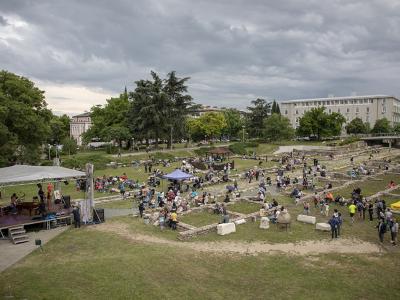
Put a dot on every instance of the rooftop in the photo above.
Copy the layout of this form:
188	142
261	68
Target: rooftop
337	98
85	114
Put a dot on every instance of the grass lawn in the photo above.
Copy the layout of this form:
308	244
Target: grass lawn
199	219
244	207
370	186
118	204
85	264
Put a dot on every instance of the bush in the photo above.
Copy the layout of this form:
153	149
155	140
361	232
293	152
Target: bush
46	163
241	148
98	160
111	149
349	140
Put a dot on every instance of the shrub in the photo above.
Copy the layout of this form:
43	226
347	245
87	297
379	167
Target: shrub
241	148
111	149
349	140
98	160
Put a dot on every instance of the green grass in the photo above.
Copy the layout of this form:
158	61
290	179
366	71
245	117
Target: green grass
199	219
244	207
370	186
118	204
85	264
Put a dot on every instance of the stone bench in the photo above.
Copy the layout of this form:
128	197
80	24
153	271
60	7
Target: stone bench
323	227
306	219
226	228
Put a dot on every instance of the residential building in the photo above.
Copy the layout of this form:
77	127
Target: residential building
368	108
79	125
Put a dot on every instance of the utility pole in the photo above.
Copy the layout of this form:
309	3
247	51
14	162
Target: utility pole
170	146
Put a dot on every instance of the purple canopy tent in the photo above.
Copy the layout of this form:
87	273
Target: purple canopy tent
178	175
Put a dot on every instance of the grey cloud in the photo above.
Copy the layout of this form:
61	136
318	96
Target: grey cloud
233	50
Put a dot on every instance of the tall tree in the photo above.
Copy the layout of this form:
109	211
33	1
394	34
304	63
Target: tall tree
209	125
381	126
112	115
255	118
317	122
234	122
59	129
357	126
275	108
24	119
176	90
277	128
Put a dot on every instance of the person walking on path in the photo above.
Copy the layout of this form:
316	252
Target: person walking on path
394	230
381	230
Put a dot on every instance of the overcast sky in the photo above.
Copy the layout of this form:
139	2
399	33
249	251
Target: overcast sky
82	52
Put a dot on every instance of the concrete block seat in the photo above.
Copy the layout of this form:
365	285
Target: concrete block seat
226	228
306	219
323	227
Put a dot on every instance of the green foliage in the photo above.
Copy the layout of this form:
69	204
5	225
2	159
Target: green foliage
348	141
255	119
317	122
381	126
275	108
234	122
209	125
111	149
241	148
24	119
69	146
277	128
98	160
396	128
357	126
109	123
203	150
159	108
59	129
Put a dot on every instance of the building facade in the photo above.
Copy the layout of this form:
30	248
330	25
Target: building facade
368	108
79	125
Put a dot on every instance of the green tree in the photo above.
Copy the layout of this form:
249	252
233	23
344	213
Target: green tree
69	146
59	129
396	128
381	126
255	118
277	128
209	125
357	126
234	122
275	108
112	115
316	122
24	119
176	90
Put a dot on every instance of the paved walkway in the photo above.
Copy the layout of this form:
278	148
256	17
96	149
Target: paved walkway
11	254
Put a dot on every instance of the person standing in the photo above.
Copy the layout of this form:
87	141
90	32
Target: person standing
334	227
394	230
371	211
352	211
381	230
141	208
174	220
77	216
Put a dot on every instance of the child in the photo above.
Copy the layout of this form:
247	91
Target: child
326	206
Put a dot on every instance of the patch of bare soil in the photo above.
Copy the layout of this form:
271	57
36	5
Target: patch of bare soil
302	248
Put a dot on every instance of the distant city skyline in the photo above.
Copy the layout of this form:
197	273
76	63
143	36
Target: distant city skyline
84	52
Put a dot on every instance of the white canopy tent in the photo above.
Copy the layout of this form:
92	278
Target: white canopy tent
24	174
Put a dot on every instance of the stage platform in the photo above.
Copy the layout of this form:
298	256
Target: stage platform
7	221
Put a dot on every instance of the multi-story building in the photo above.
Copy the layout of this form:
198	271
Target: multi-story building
79	125
367	108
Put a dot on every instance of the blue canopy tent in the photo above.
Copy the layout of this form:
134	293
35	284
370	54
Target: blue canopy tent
178	175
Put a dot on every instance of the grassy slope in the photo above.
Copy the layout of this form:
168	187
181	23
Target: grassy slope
83	264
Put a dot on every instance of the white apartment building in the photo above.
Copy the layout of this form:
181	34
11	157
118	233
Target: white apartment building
79	125
368	108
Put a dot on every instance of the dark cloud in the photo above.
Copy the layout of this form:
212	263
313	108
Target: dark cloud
233	50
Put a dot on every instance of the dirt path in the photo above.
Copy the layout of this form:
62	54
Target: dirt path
254	248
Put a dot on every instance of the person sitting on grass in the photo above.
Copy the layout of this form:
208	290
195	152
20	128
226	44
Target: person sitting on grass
391	184
173	220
